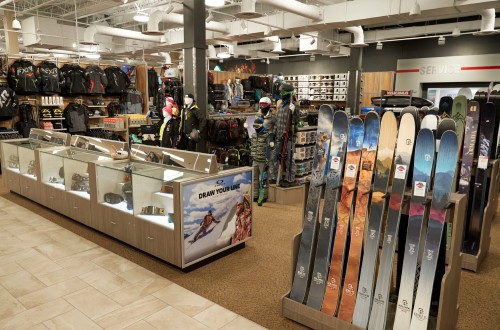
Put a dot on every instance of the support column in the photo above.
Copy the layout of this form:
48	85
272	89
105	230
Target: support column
353	88
11	42
195	67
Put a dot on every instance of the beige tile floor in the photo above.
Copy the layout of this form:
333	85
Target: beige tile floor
51	278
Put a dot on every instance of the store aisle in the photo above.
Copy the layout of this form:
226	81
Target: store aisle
51	278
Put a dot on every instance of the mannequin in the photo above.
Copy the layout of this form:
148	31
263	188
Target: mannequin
238	88
280	80
192	122
260	155
169	131
228	92
270	125
287	120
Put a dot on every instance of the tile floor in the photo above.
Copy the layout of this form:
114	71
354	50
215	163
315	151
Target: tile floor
51	278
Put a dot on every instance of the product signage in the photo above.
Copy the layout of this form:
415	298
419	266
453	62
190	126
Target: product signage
396	93
216	214
412	73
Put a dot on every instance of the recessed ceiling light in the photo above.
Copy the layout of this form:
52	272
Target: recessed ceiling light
93	56
214	3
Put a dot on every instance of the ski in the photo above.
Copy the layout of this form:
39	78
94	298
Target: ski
458	113
431	122
486	129
471	126
414	112
443	180
445	105
354	144
422	170
385	157
309	232
326	234
402	161
446	124
369	161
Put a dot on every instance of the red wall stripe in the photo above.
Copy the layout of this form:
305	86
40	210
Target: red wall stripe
407	70
487	67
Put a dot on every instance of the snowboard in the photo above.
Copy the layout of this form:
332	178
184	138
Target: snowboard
433	111
402	161
326	234
445	105
443	180
458	113
422	170
414	112
354	145
369	161
446	124
471	127
309	232
486	129
384	162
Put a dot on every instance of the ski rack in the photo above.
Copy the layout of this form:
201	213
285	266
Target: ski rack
448	302
470	261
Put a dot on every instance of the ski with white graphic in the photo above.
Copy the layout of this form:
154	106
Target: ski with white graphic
404	151
326	234
309	230
422	171
443	181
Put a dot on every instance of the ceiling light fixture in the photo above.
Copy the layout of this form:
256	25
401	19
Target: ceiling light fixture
93	56
415	9
441	41
16	25
312	58
267	61
456	32
244	26
294	38
210	17
170	7
224	52
214	3
379	46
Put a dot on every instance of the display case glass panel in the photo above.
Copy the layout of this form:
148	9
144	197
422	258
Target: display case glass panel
114	183
52	167
10	155
26	153
98	145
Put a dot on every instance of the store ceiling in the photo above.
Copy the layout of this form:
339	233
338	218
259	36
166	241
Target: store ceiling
388	17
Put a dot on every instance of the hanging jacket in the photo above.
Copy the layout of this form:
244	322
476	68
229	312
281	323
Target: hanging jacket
8	103
76	118
95	79
192	118
169	132
23	77
131	102
51	78
153	83
74	79
118	80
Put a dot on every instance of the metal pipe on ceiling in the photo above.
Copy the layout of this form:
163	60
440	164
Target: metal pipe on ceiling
296	7
6	2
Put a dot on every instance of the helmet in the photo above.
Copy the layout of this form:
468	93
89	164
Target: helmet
286	89
170	100
265	102
258	123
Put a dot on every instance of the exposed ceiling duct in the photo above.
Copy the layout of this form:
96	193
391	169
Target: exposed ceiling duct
296	7
248	10
173	18
487	23
91	31
359	36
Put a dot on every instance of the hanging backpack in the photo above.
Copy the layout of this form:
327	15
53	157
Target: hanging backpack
247	84
234	128
222	131
244	157
243	129
233	157
26	122
211	133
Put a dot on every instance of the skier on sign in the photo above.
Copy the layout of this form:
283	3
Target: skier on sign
205	224
243	219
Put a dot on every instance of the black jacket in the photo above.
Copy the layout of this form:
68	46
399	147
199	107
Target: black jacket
74	79
118	80
153	83
51	78
192	118
8	103
95	80
76	118
23	77
171	135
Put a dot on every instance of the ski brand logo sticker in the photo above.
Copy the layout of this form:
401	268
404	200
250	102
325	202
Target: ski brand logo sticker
358	143
309	216
367	165
430	255
326	222
351	171
335	163
332	284
482	162
411	249
301	273
409	142
357	231
400	172
318	279
349	289
419	314
427	157
419	189
404	306
372	233
341	228
389	239
343	137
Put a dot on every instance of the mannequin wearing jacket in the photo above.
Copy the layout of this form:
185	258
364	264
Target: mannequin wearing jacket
238	88
169	130
192	122
228	91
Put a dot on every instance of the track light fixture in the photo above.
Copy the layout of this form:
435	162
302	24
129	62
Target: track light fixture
441	41
415	9
244	26
210	17
456	32
267	61
294	38
379	46
16	25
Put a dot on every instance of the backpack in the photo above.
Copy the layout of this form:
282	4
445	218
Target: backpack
263	82
247	84
8	103
26	122
233	156
244	157
222	131
234	128
113	109
243	129
211	130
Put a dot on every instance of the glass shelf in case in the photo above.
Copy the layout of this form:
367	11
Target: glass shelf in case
26	154
114	183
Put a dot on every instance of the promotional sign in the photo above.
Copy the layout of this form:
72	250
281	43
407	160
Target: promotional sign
217	214
412	73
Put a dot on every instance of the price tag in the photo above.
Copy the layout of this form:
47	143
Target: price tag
400	171
419	189
482	162
335	163
351	171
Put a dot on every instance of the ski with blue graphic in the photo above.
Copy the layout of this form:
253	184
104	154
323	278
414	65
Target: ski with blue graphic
404	151
422	171
309	230
326	234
